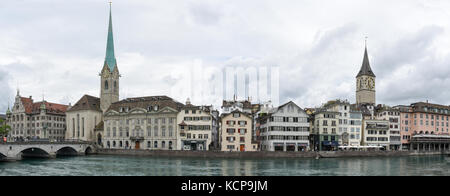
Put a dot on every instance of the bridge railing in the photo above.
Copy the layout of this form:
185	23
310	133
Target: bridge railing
47	142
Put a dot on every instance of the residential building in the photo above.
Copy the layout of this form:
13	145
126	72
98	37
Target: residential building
375	132
142	123
285	128
393	116
324	130
215	141
349	122
195	124
31	120
235	131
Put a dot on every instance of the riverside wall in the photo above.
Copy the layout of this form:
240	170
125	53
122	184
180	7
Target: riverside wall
264	155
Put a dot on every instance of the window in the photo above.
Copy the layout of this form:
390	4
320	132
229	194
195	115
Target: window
82	125
170	131
155	130
149	131
106	85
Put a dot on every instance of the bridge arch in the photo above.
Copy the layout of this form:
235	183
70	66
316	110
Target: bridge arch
34	152
66	151
89	150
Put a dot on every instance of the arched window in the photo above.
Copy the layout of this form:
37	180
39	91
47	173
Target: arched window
108	144
106	84
163	145
115	86
120	144
126	144
170	145
114	144
156	144
149	144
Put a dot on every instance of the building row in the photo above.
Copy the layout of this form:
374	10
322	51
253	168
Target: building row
162	123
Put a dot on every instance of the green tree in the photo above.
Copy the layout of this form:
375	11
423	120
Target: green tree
4	128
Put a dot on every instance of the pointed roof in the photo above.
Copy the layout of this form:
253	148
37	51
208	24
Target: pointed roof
110	59
365	68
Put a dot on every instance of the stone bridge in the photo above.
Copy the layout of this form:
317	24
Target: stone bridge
18	150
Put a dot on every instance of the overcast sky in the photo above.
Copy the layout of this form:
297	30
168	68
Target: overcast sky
57	48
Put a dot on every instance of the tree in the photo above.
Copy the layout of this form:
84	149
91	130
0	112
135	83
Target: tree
4	128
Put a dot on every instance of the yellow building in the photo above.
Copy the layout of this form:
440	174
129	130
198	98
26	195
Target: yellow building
236	132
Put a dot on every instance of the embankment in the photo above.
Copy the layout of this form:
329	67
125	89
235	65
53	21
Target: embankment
263	155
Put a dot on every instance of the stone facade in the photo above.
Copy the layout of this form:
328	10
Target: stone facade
365	93
33	121
142	123
82	119
365	83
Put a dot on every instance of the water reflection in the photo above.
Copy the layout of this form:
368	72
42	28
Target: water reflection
150	166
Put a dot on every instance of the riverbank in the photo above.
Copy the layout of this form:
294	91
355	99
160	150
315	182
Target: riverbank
264	155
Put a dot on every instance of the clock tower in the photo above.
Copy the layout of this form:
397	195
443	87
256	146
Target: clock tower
109	82
365	83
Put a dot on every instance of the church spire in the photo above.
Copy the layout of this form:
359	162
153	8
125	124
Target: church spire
365	68
110	59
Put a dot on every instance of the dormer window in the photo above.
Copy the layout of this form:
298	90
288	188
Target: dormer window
149	108
156	108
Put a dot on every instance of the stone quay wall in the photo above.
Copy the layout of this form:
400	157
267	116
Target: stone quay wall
264	155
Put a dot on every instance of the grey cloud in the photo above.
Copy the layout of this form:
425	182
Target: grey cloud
7	94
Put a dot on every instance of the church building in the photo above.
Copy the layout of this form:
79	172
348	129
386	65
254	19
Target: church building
85	118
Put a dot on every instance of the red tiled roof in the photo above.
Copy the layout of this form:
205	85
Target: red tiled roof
53	108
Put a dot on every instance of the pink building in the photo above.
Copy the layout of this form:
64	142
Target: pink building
423	118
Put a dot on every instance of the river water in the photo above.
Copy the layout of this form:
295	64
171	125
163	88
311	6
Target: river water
99	165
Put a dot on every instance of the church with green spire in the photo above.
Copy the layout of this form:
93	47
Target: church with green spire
85	117
109	82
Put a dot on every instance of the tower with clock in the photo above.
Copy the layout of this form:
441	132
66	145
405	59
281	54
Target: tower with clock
365	83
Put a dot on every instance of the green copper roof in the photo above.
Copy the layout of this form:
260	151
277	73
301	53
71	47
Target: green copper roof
110	59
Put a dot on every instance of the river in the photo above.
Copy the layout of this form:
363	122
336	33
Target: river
102	165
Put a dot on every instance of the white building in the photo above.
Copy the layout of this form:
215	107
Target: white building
285	128
195	124
142	123
349	122
393	117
